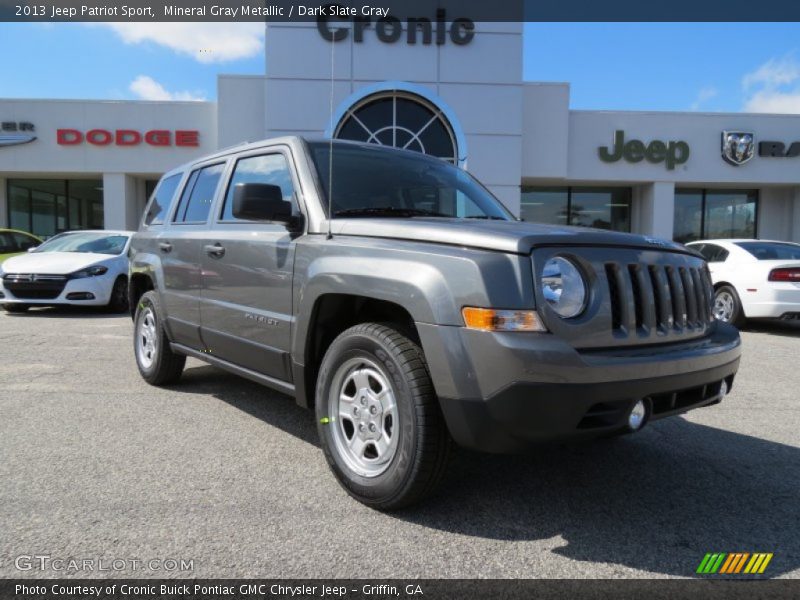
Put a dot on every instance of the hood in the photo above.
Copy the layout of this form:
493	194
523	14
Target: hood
517	237
52	263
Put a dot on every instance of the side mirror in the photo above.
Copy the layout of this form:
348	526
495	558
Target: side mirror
261	202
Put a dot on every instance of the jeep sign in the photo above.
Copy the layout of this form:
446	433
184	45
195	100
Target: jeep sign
671	153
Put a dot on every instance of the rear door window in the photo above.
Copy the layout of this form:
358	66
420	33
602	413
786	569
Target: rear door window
24	242
198	195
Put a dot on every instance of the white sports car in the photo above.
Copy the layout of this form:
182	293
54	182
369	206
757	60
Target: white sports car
753	279
75	267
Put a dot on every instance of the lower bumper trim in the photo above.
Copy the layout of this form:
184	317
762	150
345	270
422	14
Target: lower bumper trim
527	413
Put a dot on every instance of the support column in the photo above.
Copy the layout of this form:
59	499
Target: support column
4	207
654	210
794	232
119	201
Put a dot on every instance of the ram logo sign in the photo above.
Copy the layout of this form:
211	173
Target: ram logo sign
738	147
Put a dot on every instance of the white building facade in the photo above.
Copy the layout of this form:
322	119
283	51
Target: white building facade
452	89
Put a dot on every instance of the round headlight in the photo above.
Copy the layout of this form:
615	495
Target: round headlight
563	287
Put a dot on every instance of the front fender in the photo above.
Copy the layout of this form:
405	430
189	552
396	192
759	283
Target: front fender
432	282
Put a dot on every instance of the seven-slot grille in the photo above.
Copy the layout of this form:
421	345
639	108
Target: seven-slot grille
28	286
658	297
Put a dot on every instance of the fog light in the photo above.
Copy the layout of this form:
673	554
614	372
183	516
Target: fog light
723	388
80	296
637	416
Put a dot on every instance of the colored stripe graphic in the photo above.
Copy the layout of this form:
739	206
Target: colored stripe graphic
733	563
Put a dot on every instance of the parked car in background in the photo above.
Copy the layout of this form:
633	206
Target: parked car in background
753	279
87	268
13	242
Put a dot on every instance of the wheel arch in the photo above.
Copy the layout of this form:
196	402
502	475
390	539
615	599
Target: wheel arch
333	313
138	285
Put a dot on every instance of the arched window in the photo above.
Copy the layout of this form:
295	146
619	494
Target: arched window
402	120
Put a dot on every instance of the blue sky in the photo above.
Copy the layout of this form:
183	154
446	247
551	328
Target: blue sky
650	66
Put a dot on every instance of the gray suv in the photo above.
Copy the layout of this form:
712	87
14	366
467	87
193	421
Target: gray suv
395	295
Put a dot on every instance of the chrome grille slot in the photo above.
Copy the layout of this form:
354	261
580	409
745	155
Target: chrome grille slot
614	278
691	297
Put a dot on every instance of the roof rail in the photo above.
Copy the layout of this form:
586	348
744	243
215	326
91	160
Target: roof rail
232	146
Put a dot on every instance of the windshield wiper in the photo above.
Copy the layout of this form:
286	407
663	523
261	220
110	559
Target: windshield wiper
387	211
487	217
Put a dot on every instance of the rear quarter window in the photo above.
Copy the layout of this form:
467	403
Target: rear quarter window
160	201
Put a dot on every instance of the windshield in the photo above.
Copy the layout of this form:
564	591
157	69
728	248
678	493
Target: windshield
772	250
377	182
85	241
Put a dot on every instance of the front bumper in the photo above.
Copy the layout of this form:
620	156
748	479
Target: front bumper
74	292
771	301
501	392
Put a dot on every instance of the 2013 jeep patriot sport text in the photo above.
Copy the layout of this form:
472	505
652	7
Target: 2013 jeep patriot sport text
423	312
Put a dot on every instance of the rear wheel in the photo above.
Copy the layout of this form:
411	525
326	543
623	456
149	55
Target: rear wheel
157	363
16	308
728	306
378	418
118	302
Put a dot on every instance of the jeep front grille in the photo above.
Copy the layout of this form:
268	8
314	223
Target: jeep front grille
662	297
638	296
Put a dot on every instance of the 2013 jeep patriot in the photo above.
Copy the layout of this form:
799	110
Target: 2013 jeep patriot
421	312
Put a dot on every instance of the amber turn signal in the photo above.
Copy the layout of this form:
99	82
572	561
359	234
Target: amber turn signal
489	319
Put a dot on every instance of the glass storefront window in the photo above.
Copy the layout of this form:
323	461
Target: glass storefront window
45	207
602	208
688	223
730	214
545	205
715	214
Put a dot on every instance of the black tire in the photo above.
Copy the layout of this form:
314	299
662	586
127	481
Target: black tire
737	316
164	366
423	442
118	303
16	308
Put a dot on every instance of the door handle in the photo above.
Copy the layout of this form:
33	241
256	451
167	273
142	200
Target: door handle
216	250
165	246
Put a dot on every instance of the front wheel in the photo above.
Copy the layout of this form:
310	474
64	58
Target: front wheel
118	303
378	418
728	306
157	363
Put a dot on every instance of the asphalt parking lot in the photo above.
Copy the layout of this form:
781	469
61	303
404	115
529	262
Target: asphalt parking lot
96	464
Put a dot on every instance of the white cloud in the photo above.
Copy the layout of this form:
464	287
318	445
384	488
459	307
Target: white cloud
205	42
774	87
704	95
147	88
774	101
774	73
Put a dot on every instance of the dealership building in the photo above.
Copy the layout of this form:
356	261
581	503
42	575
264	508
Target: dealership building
453	90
